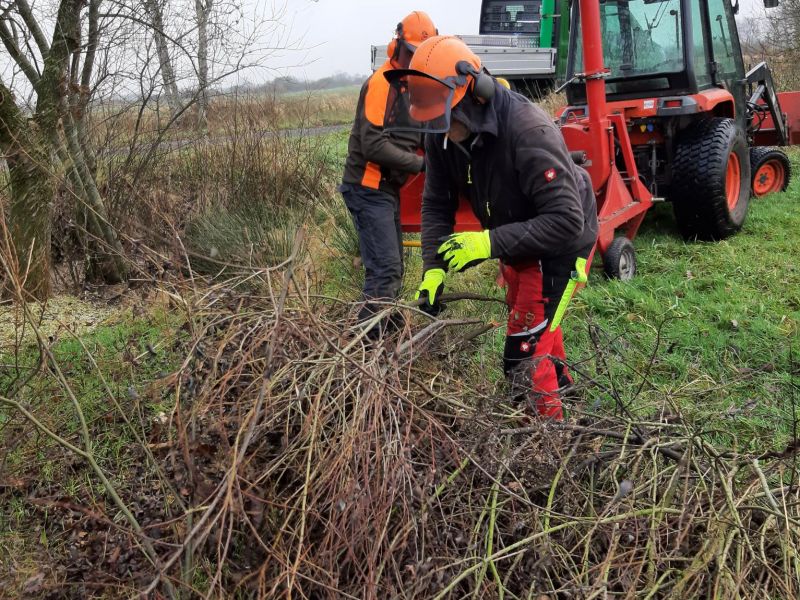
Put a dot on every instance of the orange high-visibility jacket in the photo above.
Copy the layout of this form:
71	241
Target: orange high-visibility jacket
376	159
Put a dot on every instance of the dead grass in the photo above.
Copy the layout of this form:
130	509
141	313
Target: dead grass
117	125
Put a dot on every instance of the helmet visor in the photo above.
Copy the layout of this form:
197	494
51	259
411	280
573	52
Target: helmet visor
409	46
418	102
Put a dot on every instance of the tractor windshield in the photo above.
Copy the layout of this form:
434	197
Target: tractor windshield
640	38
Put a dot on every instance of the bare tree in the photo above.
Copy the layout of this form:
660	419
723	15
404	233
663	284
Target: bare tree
50	142
64	58
156	14
203	10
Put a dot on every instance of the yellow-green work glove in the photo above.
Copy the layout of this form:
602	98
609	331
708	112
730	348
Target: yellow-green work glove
430	289
464	250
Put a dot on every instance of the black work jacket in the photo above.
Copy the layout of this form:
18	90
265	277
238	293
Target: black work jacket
519	178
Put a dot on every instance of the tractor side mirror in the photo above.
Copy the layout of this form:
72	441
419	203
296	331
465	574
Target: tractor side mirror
771	3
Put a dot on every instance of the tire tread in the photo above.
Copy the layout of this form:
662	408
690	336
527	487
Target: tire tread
699	198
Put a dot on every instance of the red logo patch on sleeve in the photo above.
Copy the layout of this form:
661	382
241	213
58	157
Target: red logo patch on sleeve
550	175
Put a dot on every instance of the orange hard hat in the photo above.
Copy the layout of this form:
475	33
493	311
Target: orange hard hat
415	29
445	60
424	95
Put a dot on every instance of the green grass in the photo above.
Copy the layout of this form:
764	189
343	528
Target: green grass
725	316
708	329
120	351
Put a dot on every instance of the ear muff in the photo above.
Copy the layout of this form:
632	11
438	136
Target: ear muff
484	86
483	83
393	50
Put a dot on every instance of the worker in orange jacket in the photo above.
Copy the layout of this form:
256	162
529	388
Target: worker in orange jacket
377	166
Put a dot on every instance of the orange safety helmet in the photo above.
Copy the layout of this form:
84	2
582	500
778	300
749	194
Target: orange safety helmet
415	29
441	71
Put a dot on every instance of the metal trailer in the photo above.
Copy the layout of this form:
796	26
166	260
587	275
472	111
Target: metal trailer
504	56
522	41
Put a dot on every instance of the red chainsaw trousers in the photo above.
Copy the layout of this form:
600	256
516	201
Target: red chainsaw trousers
534	359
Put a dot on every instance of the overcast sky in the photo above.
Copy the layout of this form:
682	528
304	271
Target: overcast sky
337	34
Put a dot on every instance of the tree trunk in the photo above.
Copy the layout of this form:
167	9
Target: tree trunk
202	10
107	252
52	109
32	191
165	63
30	157
84	93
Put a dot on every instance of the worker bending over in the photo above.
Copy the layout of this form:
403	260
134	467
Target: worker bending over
377	166
506	156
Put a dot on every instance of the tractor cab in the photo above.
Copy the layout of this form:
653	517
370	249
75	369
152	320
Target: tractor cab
660	48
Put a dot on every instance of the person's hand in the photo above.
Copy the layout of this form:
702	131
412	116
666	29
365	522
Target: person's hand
464	250
430	290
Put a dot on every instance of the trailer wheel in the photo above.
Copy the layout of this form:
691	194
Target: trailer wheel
619	261
711	179
771	171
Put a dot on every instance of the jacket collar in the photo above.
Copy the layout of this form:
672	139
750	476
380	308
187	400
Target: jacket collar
481	118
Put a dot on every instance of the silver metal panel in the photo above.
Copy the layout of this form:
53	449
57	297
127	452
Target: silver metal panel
501	61
517	62
502	41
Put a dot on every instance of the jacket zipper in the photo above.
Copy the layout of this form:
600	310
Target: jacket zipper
469	180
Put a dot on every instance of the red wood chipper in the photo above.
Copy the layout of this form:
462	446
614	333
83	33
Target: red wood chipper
660	107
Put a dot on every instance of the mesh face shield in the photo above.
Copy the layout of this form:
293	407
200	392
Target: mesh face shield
418	102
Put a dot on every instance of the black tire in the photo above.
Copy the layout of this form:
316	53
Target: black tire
699	193
760	158
619	261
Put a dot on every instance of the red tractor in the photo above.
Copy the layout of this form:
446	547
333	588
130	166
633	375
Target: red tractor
661	108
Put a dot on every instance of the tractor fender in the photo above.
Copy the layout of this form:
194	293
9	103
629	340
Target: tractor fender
716	102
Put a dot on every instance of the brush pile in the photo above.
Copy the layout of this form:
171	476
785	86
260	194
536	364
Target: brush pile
300	461
318	466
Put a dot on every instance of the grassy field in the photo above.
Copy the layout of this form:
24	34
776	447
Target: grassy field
712	326
116	125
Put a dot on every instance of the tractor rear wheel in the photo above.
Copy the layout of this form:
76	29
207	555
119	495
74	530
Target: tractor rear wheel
711	179
771	171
